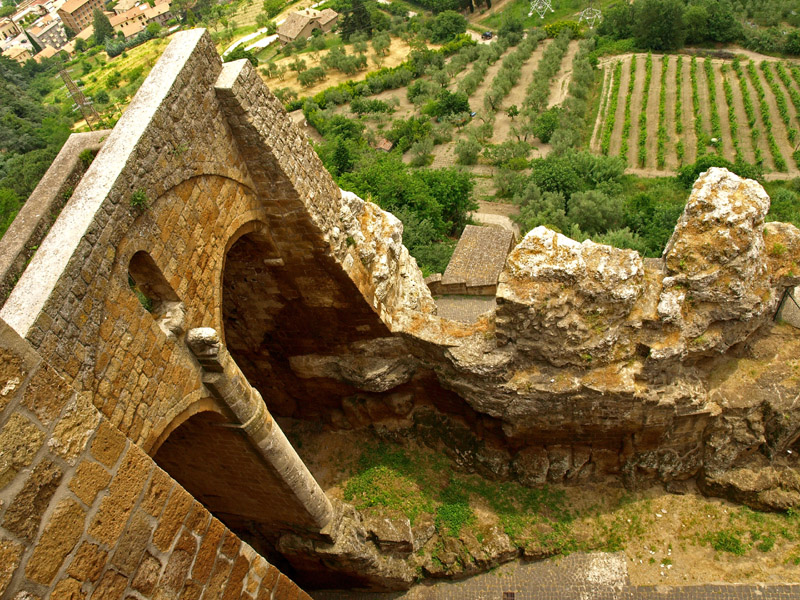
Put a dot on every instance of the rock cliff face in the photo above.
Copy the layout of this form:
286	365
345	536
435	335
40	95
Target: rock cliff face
595	361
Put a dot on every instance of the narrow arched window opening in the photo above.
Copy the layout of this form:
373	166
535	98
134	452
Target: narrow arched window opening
156	294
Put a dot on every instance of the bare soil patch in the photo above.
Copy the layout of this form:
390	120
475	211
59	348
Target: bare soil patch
670	157
769	164
503	122
702	94
636	108
560	86
397	53
652	113
476	99
745	141
722	109
689	136
619	118
605	98
778	127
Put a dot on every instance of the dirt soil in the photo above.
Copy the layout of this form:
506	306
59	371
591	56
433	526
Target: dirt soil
722	109
762	140
397	53
619	118
605	99
670	156
560	85
652	113
778	127
516	96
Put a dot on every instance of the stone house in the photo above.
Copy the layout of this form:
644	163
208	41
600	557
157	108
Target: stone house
302	24
78	14
476	263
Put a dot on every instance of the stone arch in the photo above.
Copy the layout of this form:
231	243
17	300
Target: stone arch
194	403
215	462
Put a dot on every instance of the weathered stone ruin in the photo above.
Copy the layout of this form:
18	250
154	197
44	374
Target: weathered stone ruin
139	454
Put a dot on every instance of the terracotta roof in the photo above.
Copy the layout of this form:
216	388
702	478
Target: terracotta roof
124	5
384	144
132	28
479	256
157	10
72	5
294	24
48	52
326	16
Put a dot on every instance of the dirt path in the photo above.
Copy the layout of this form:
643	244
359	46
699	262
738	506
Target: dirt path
769	164
560	85
670	157
636	108
689	137
605	98
503	122
476	99
705	103
652	113
745	141
722	109
778	126
404	106
616	133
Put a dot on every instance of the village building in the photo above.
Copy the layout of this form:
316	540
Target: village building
48	52
302	24
49	31
476	264
136	19
18	53
78	14
8	28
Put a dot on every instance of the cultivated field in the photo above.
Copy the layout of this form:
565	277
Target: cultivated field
661	112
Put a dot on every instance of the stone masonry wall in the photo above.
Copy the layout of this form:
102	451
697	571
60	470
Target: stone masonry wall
85	513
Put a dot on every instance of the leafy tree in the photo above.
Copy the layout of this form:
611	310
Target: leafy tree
659	24
511	24
238	53
80	45
452	189
545	123
512	111
342	160
272	7
618	21
102	27
381	42
468	150
595	212
357	20
447	103
447	25
695	17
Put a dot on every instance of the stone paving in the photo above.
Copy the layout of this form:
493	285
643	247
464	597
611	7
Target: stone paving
595	576
466	309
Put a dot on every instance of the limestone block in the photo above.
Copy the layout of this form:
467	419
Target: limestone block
19	441
74	429
60	536
531	466
10	554
391	534
26	510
